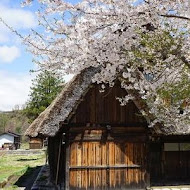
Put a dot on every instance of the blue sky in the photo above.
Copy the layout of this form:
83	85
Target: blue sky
15	61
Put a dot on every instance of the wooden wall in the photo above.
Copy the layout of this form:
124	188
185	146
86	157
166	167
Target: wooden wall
101	158
99	108
107	159
56	158
104	146
169	167
36	143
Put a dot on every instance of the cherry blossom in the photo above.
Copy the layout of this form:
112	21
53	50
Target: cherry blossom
146	44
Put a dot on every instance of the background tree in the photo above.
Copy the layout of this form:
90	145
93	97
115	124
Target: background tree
3	122
45	87
14	121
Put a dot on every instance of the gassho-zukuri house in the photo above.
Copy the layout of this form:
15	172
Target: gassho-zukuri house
94	143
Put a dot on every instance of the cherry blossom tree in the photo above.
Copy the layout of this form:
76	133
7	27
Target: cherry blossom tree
144	43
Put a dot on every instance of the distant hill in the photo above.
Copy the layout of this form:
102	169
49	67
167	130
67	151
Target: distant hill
14	121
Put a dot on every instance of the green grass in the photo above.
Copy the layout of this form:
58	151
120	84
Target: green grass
18	164
24	146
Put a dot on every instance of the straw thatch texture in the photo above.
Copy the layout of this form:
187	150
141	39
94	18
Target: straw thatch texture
47	123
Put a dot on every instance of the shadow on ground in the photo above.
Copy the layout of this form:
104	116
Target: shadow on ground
27	159
28	178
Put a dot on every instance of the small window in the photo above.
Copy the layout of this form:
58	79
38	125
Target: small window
176	146
171	146
184	146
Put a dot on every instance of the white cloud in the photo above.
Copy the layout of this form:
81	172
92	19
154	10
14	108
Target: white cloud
16	18
14	90
9	54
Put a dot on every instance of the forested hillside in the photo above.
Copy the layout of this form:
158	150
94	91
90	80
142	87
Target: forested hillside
44	89
14	121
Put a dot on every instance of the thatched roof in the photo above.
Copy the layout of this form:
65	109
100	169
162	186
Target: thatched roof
62	108
47	123
171	130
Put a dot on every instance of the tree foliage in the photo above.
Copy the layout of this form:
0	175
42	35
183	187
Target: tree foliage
3	122
126	38
14	121
45	88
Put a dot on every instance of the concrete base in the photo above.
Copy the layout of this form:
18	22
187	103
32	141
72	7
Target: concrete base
185	187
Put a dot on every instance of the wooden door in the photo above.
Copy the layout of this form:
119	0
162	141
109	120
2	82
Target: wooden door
108	165
176	167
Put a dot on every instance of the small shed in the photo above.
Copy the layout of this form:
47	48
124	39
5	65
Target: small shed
94	143
36	143
10	140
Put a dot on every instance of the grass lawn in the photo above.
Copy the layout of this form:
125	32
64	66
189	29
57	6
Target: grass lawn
18	164
24	145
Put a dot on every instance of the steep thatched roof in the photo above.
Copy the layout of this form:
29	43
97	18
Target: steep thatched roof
62	108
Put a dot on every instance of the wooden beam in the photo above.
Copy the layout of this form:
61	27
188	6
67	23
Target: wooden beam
118	138
101	125
123	166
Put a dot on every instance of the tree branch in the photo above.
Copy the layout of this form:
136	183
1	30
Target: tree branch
187	63
175	16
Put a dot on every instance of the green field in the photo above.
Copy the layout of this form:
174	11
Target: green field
18	164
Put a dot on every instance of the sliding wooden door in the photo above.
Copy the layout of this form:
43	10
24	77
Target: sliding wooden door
109	165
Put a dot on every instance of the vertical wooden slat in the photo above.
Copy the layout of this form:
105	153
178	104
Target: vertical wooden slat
93	106
98	162
104	163
89	163
73	162
118	162
67	163
99	107
110	161
78	158
84	163
110	153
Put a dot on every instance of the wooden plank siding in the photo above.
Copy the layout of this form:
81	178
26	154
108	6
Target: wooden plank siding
105	145
36	143
169	167
108	164
108	146
101	108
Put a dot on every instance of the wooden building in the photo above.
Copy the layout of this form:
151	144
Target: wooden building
94	143
36	143
10	140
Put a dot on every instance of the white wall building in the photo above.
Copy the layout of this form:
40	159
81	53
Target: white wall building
6	138
10	137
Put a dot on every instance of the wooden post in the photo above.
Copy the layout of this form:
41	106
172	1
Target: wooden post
147	144
58	161
67	162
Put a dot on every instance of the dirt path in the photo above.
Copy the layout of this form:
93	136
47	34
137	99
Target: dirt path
28	178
